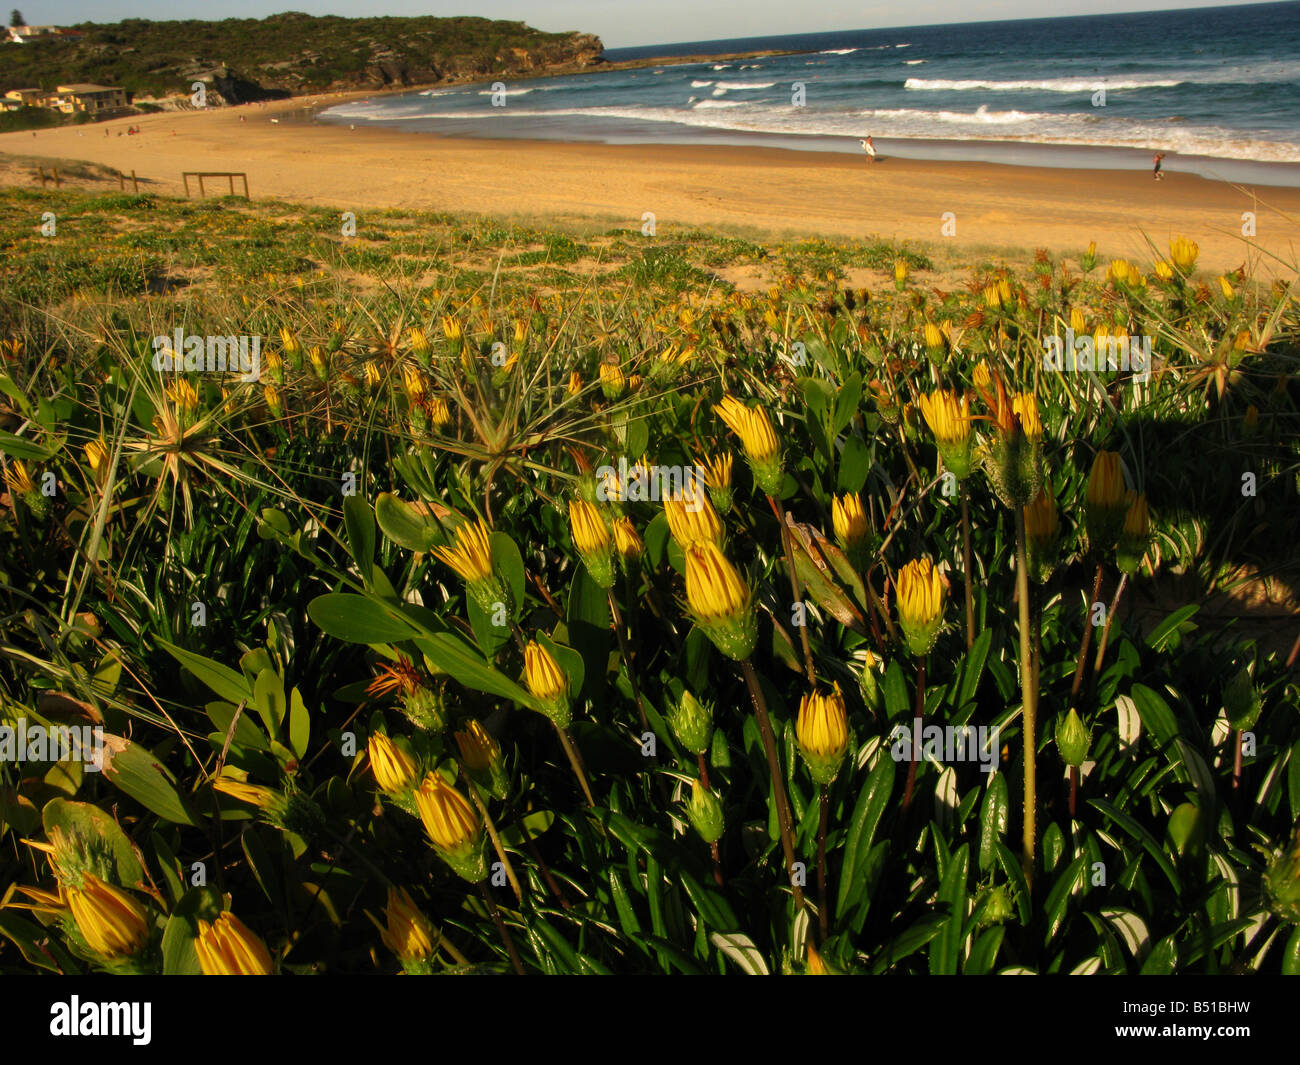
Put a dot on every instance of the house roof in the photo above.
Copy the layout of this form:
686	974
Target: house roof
86	88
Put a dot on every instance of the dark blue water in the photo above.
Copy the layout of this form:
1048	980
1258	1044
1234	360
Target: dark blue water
1211	83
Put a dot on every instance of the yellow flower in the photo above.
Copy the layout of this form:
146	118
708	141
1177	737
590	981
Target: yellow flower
752	426
590	533
183	394
19	480
1227	288
627	541
947	416
850	519
478	750
920	603
717	471
97	455
1184	253
419	342
714	589
992	297
439	412
288	341
112	923
542	673
1118	271
253	794
372	374
691	517
1026	406
815	966
1042	520
451	329
983	376
612	381
228	948
1106	482
900	271
1164	270
447	815
1137	521
471	558
933	337
822	727
272	396
521	332
317	358
409	934
394	769
413	382
575	383
1077	322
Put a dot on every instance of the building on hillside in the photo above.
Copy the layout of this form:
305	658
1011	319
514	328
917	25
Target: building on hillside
22	34
92	99
26	97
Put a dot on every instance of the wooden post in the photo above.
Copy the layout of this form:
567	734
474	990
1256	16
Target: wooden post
232	183
202	193
245	177
121	181
135	185
186	178
58	179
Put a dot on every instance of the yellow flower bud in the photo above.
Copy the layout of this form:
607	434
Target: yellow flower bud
409	934
471	557
228	948
394	769
447	815
850	519
112	923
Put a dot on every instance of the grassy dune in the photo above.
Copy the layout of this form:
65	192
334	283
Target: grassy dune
317	683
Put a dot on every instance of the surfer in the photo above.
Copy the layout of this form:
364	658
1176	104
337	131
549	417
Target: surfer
869	147
1155	170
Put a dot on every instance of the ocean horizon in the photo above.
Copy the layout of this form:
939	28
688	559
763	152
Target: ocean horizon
1218	89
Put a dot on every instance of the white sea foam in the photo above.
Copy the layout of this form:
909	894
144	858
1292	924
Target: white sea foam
738	85
915	62
700	84
838	51
1045	85
509	92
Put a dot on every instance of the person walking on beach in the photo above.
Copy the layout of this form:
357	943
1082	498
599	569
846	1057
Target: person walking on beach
1155	171
869	147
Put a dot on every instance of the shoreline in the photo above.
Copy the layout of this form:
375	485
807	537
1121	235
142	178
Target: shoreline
775	192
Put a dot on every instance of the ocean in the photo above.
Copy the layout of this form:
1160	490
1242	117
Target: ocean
1218	89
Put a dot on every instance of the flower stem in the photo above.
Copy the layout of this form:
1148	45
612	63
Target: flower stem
1110	617
823	917
1087	637
626	653
784	818
920	714
491	831
502	931
796	589
1029	697
575	760
968	576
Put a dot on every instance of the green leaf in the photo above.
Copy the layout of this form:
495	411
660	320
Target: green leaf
1156	716
357	619
19	447
994	817
946	949
95	825
1168	634
984	952
131	767
897	700
268	701
182	929
972	668
1058	899
1291	954
408	526
855	466
509	564
1163	958
846	403
299	724
908	942
456	658
870	808
359	520
225	682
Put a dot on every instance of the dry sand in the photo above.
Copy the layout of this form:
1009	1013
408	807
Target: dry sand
761	191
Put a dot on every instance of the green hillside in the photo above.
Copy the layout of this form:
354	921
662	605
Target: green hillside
292	53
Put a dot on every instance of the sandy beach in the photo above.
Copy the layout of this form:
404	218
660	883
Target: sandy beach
769	192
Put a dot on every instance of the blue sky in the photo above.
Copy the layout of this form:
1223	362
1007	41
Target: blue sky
619	23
